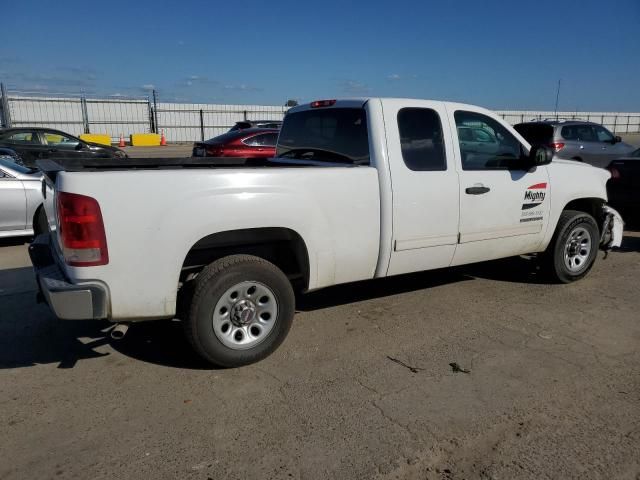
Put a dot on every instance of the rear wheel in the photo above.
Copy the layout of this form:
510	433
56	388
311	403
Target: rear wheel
241	310
573	248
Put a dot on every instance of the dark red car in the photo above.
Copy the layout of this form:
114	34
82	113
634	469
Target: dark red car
247	143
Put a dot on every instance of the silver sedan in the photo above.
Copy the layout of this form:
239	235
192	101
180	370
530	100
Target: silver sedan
21	212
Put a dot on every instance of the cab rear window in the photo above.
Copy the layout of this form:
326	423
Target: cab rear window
331	135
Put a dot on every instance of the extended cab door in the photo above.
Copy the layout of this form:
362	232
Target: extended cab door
504	204
425	185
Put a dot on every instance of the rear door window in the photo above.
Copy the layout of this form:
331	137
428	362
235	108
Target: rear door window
421	139
580	133
23	138
326	134
262	140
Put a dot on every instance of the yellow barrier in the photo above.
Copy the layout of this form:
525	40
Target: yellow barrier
102	139
145	139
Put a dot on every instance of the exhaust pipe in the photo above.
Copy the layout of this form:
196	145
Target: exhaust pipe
119	331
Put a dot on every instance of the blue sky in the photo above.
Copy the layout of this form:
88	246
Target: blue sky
499	54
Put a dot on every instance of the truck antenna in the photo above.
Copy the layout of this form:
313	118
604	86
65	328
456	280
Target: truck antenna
557	97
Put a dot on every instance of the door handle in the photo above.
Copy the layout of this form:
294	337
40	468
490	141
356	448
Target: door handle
476	190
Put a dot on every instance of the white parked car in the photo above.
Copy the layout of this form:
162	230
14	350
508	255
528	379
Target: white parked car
360	189
21	212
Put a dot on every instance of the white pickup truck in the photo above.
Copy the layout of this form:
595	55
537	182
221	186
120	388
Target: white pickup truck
359	189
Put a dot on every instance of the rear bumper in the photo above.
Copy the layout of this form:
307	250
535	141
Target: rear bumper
86	301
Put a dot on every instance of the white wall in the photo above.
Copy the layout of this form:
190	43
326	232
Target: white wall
181	121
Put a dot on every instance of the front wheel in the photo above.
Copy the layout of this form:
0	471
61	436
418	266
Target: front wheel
241	310
574	246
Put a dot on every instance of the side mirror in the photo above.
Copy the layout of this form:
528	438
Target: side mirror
617	139
540	155
80	146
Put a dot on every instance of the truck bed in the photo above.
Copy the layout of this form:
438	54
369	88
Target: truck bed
156	210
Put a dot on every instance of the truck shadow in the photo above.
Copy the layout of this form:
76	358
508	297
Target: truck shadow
162	343
515	269
629	244
30	335
383	287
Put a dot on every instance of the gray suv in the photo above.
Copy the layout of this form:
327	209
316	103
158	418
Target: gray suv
576	140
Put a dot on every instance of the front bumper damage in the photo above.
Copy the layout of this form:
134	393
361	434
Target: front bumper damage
612	229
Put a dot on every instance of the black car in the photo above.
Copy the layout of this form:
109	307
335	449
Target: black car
32	144
244	124
623	187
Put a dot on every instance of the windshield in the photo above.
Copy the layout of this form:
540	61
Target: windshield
9	162
636	153
331	135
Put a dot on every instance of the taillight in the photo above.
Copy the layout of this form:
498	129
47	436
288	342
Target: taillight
322	103
557	146
214	151
81	230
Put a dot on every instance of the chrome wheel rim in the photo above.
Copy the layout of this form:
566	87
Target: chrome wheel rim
245	315
577	249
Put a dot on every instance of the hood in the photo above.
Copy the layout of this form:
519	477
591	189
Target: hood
96	146
605	174
566	161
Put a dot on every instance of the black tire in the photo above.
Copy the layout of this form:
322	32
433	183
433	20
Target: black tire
40	224
571	222
209	288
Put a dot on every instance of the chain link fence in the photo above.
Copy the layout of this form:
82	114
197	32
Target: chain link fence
187	122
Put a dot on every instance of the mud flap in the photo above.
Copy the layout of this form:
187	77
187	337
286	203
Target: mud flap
612	230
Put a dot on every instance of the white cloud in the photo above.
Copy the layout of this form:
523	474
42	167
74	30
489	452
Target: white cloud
394	76
148	86
243	87
354	87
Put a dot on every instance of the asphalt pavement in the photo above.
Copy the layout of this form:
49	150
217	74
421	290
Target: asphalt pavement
362	388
